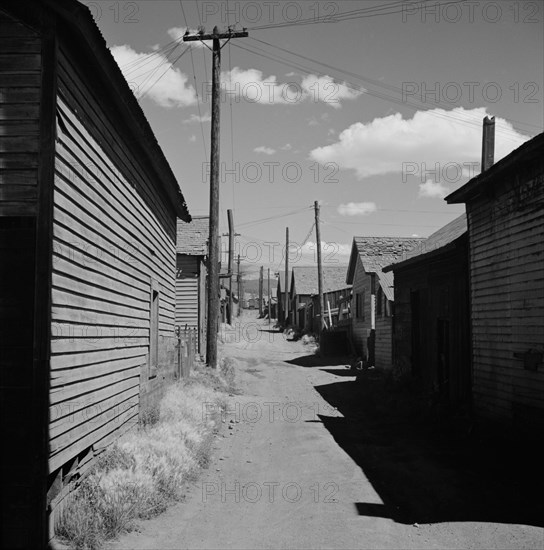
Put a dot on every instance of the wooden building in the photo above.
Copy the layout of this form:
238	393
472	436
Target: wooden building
88	208
336	305
191	277
431	338
372	300
304	286
505	215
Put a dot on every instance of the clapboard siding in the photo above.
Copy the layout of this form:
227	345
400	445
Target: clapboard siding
20	96
507	292
112	236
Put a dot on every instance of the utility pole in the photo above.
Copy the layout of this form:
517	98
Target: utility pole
269	299
239	288
319	267
286	285
213	253
261	292
231	253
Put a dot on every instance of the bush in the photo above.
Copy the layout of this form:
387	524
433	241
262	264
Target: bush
145	470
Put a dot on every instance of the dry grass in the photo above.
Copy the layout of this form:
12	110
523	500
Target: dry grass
145	471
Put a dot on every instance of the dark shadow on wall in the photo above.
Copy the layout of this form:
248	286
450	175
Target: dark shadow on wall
427	469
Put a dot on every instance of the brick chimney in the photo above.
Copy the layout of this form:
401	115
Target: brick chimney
488	143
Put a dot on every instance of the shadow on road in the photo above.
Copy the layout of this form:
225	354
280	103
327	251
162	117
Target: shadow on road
427	469
317	361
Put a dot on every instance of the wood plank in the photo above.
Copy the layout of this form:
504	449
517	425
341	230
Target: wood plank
19	44
65	393
68	361
18	94
126	421
78	431
69	376
111	196
19	177
21	63
15	193
63	418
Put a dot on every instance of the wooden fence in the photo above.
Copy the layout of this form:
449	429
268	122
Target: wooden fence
187	341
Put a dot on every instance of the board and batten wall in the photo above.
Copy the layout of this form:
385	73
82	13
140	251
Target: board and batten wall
114	245
506	233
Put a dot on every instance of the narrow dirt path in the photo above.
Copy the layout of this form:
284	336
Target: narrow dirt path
278	479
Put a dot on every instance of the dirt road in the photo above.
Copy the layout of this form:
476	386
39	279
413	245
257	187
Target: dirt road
283	474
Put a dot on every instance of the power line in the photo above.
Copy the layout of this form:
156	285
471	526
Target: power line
468	120
374	11
196	87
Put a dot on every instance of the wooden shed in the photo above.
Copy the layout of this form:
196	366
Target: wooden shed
431	338
191	275
372	293
88	207
505	215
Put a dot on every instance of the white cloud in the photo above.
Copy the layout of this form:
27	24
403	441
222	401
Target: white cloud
173	88
433	190
325	89
176	33
265	150
447	140
252	86
356	208
286	147
192	139
196	118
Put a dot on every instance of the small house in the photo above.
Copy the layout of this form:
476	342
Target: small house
191	277
373	295
505	218
304	286
431	323
88	209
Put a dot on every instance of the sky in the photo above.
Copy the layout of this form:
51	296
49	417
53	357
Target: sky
372	108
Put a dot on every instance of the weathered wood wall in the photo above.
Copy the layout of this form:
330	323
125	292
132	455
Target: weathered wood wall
20	90
114	241
439	285
25	67
506	231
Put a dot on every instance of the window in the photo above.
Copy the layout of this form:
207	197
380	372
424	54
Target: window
360	305
154	330
379	302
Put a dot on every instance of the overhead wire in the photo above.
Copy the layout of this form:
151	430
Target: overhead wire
196	88
469	120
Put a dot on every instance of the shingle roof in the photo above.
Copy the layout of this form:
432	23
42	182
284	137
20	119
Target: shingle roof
192	238
334	278
377	252
439	239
